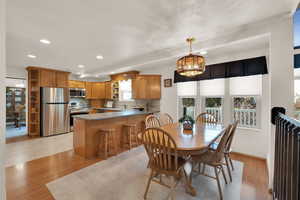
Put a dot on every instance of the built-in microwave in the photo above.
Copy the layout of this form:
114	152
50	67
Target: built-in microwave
77	92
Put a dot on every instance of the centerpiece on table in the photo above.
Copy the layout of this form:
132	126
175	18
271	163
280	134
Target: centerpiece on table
187	122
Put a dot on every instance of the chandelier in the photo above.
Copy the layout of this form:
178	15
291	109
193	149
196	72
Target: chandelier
190	65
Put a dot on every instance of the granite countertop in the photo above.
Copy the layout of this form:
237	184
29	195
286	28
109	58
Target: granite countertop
104	108
80	110
109	115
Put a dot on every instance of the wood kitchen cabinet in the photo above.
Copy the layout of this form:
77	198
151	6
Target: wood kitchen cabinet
95	90
146	87
76	84
47	78
52	78
62	79
108	90
98	90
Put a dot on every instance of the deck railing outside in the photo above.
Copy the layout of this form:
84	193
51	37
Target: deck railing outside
216	112
246	117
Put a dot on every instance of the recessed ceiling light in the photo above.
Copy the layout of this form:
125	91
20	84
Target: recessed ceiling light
81	66
31	56
203	52
99	57
112	72
84	75
45	41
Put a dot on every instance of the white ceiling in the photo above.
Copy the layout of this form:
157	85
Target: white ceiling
125	32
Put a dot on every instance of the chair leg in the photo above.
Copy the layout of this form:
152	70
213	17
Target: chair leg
148	184
203	169
199	168
219	184
230	162
228	168
223	173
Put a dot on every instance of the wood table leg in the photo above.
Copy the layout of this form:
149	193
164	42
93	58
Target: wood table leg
187	170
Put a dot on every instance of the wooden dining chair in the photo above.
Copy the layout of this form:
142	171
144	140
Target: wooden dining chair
165	119
228	150
214	158
163	158
152	121
206	118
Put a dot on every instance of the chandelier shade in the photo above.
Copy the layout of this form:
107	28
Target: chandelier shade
190	65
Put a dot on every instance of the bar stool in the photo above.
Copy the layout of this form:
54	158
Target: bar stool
130	135
108	135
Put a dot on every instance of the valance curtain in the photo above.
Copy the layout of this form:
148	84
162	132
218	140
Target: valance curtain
247	67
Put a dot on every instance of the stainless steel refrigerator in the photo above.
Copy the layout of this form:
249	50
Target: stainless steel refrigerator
55	113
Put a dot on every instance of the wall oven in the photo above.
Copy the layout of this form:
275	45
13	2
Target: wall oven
77	92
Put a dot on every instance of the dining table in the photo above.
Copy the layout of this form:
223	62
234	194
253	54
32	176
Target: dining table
193	142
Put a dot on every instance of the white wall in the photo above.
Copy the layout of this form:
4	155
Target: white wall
282	76
16	72
2	96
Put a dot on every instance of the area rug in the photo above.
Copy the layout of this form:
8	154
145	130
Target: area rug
124	177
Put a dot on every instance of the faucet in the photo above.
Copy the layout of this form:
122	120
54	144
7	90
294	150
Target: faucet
125	106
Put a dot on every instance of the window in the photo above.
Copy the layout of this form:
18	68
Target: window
186	91
244	111
228	100
187	106
212	92
213	106
245	93
125	93
297	98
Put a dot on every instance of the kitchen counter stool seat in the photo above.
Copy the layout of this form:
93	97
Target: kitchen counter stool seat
108	138
130	135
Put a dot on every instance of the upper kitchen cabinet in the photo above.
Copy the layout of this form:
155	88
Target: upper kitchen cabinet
62	79
95	90
88	90
52	78
108	90
76	84
47	78
146	87
98	90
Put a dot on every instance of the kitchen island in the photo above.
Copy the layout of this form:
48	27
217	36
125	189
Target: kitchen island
86	129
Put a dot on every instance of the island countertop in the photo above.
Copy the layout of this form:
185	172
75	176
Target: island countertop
110	115
87	141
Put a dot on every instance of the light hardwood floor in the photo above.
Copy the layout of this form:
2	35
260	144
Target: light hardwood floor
27	181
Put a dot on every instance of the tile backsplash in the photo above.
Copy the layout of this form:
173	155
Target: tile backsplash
151	105
81	102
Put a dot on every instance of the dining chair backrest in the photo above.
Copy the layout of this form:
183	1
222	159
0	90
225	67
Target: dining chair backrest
152	121
222	144
165	119
206	118
161	149
231	136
